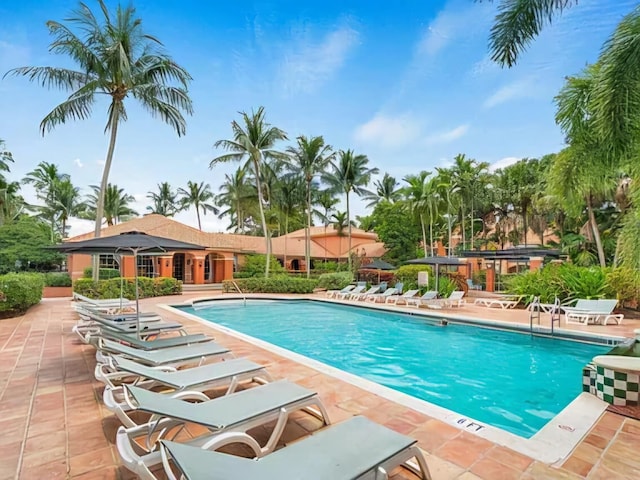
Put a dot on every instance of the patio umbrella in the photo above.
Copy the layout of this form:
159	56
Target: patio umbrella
128	243
378	265
435	262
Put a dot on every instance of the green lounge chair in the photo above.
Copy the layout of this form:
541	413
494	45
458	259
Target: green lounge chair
173	356
229	373
159	343
232	414
354	449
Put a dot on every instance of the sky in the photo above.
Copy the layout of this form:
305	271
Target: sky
408	83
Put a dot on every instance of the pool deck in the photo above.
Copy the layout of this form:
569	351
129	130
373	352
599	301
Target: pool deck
54	424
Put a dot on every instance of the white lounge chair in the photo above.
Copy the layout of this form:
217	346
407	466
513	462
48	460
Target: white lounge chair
599	313
363	295
381	297
354	449
399	299
454	300
231	415
502	302
428	296
346	295
333	293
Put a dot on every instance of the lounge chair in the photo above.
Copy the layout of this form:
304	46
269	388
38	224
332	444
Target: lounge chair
376	297
502	302
344	296
455	299
200	379
236	413
333	293
105	302
88	332
363	295
398	299
599	313
354	449
173	356
132	340
473	286
428	296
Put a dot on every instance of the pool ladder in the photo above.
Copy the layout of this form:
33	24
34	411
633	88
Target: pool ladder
536	309
244	297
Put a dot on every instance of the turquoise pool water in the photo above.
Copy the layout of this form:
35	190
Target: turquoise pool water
509	380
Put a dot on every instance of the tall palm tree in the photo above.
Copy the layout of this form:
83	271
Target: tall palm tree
616	100
417	195
235	195
253	142
165	201
67	203
289	199
199	196
447	188
116	58
385	189
309	158
350	174
116	204
326	200
340	222
45	178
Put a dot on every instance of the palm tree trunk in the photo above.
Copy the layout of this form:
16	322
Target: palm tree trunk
449	224
198	215
349	225
263	219
596	234
64	227
307	244
464	236
286	228
238	217
472	221
424	235
431	234
113	125
524	223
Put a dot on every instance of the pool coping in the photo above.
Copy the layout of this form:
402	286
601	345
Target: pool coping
552	444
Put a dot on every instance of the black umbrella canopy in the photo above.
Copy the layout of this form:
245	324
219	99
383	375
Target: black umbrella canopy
434	261
377	264
127	243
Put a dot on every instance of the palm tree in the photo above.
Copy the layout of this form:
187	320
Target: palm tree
197	195
616	99
45	178
11	203
253	142
446	188
350	174
116	58
309	158
165	201
236	193
5	158
385	189
417	195
289	199
340	221
326	201
67	203
116	204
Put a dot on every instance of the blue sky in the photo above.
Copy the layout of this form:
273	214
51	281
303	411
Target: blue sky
408	83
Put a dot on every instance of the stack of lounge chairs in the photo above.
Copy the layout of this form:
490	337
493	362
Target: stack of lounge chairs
160	386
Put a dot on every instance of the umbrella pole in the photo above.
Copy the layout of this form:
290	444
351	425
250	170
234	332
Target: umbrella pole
135	266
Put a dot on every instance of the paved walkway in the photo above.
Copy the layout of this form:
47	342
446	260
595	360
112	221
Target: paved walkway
53	425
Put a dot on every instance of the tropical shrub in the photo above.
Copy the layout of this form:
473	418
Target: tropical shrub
18	292
328	267
276	284
254	266
446	285
57	279
103	273
334	281
408	274
623	283
585	282
147	287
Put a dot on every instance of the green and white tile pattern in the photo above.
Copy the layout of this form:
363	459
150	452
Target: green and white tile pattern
617	388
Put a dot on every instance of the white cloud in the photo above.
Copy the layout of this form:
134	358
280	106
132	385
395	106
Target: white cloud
447	135
78	163
518	89
310	64
389	131
101	162
502	163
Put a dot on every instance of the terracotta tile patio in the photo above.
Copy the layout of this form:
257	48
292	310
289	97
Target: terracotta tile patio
54	426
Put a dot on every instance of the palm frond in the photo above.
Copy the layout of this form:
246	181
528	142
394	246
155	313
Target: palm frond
518	22
77	107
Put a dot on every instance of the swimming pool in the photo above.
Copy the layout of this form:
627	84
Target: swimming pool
508	380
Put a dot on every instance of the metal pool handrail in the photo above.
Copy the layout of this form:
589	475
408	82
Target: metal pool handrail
244	297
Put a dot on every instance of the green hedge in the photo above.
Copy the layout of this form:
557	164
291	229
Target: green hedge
18	292
278	284
335	281
148	287
103	273
57	279
408	274
254	266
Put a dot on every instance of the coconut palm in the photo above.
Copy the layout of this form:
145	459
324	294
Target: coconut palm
67	203
385	189
116	204
165	201
340	222
447	188
45	178
289	199
116	59
235	194
416	194
199	196
253	142
309	158
11	203
616	99
325	200
350	174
